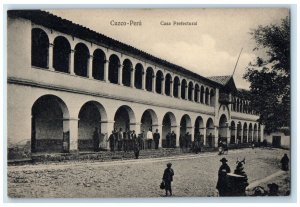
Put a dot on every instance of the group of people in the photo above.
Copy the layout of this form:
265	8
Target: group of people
171	140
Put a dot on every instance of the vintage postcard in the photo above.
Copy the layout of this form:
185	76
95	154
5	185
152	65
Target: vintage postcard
148	103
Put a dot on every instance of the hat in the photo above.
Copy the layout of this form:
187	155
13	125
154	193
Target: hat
169	164
223	160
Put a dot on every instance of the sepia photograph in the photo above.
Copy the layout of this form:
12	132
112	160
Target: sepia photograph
148	102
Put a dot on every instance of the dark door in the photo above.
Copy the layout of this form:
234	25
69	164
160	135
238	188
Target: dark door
276	142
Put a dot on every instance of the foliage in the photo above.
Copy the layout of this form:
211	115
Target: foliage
269	75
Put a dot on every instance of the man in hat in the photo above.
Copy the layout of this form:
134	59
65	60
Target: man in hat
168	178
222	180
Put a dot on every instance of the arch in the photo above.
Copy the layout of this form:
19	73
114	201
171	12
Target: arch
206	96
196	95
168	125
138	76
199	128
113	69
183	87
245	132
124	118
202	94
250	131
223	127
49	124
232	132
239	132
39	48
176	84
149	78
92	115
210	133
99	60
212	97
158	81
81	59
185	125
61	54
126	72
168	84
190	90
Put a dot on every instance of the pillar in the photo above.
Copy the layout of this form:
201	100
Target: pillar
171	88
162	81
106	63
90	67
242	134
186	92
177	132
143	80
179	90
199	94
204	97
153	84
109	126
204	136
235	135
208	97
73	135
71	68
228	134
50	61
132	77
120	74
216	136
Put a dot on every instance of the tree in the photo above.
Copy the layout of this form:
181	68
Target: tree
269	75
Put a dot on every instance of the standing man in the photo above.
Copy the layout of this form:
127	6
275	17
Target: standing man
149	138
173	139
141	140
120	139
156	138
168	178
96	139
168	140
125	140
111	141
222	185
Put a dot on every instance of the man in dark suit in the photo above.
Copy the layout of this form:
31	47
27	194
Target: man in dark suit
168	178
156	137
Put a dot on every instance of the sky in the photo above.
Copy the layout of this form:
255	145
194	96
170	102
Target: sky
210	49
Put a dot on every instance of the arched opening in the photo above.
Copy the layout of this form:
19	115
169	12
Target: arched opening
124	119
98	64
159	79
245	133
199	128
39	48
206	96
210	133
138	76
183	87
250	131
202	95
169	125
126	72
223	127
196	95
149	77
239	132
61	54
255	133
176	84
113	69
91	116
168	84
49	124
190	91
185	125
81	59
232	132
212	97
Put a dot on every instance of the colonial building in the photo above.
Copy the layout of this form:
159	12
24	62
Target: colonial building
64	80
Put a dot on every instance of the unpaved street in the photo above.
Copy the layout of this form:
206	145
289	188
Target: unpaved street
195	175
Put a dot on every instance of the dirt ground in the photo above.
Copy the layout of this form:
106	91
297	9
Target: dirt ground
195	175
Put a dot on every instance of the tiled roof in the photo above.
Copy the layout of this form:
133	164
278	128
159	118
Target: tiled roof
68	27
223	80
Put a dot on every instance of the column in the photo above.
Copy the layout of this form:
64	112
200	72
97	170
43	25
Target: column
228	134
235	135
177	132
162	81
50	61
179	91
204	97
132	77
153	83
171	88
208	97
73	136
216	136
143	80
204	136
186	92
242	134
247	134
71	68
120	74
90	67
106	63
199	98
109	126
